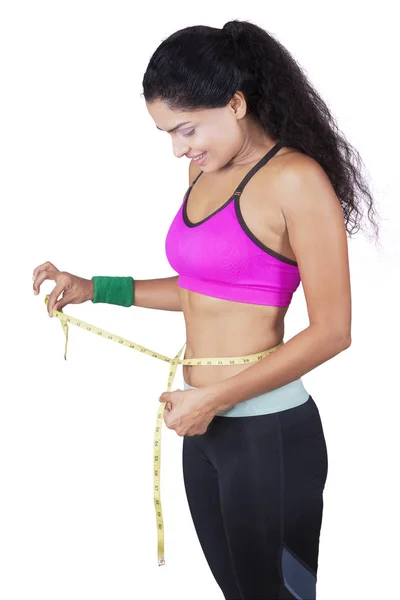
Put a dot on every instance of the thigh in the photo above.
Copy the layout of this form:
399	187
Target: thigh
202	491
272	469
248	457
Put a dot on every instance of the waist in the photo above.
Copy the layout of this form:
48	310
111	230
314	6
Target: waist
236	345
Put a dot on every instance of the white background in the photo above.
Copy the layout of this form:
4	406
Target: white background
89	183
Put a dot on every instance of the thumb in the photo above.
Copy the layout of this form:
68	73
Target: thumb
169	396
63	301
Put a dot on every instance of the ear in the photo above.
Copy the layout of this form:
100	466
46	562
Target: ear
238	105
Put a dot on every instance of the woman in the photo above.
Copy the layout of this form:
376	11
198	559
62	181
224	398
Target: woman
272	193
271	181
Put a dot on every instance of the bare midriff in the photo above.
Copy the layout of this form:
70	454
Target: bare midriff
218	328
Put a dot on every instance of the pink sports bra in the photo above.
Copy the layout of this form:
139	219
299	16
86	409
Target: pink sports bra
220	256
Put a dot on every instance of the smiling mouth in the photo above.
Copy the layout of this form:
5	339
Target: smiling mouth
198	157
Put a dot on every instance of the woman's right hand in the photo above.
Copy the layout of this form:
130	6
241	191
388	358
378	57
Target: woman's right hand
74	289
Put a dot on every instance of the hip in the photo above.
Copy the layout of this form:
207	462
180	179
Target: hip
294	436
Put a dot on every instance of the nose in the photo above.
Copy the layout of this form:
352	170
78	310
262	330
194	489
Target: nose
179	149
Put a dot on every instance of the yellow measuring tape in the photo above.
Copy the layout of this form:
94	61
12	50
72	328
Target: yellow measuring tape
174	362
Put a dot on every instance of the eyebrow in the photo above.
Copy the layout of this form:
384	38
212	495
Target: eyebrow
177	127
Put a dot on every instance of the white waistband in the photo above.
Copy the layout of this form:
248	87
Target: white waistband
285	397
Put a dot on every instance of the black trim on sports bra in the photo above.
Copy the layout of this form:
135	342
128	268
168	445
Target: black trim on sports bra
259	243
270	154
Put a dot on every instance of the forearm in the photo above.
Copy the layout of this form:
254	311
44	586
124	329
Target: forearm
161	294
300	355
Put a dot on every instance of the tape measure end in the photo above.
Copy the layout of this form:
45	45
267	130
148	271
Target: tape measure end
161	561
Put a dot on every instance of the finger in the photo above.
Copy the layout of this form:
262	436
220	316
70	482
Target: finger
53	298
43	275
47	265
167	406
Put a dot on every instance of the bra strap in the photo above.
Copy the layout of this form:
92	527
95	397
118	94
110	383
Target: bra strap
201	173
270	154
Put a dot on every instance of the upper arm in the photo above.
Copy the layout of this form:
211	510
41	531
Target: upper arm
317	235
194	170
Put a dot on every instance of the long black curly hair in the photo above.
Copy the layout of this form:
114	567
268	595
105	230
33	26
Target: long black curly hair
202	67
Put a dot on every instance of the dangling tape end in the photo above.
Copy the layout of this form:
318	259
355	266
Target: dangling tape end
161	561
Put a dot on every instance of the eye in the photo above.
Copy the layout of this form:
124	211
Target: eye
190	133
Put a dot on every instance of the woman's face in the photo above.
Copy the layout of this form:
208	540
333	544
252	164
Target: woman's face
215	131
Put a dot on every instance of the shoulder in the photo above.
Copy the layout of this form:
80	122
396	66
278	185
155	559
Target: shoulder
303	188
307	200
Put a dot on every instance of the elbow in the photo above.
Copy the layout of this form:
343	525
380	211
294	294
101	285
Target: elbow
343	339
346	341
340	339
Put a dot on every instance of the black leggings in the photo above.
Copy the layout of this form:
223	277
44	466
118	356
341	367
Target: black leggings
254	487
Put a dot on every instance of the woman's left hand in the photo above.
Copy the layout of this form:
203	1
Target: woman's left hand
189	412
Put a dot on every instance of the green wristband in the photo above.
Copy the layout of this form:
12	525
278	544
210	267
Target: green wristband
113	290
